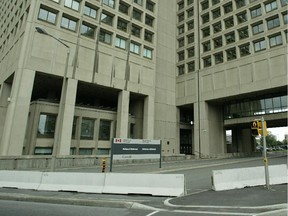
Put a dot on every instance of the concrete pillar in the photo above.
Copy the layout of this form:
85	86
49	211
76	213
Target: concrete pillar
13	137
148	118
65	129
122	114
5	91
242	140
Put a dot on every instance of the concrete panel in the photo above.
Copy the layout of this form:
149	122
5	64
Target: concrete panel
246	73
247	177
191	87
261	70
207	84
219	80
232	77
180	89
154	184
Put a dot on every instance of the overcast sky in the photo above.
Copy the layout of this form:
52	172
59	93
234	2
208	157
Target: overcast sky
279	132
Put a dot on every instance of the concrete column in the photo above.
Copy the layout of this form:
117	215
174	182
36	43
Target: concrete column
5	91
148	118
122	114
65	129
13	137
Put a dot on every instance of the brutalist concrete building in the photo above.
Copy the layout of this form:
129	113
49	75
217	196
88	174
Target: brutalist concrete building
76	73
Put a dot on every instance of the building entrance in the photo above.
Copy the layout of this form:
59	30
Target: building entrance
185	141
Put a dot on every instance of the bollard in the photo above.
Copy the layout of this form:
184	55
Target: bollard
103	165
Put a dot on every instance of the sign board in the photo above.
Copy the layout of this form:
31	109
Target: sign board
124	149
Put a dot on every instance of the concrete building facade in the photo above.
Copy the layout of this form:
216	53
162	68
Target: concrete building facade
181	71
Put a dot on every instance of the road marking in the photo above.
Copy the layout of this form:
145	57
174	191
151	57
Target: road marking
152	213
215	213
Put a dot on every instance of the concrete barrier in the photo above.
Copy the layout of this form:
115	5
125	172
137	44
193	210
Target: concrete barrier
152	184
247	177
78	182
20	179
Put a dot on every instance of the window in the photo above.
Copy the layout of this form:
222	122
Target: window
87	30
105	37
181	56
271	6
243	33
181	29
217	42
85	151
217	27
216	13
149	20
275	40
241	17
218	57
284	2
215	2
107	19
74	126
87	129
207	61
147	52
123	8
150	6
206	46
205	5
134	48
89	11
259	45
181	17
73	4
191	52
148	36
139	2
256	12
206	31
230	38
189	2
191	66
120	42
104	130
273	23
122	25
43	151
240	3
229	22
46	126
190	12
190	25
47	15
137	15
181	42
231	54
136	31
68	23
228	8
257	28
181	70
190	38
205	18
181	5
285	18
244	50
109	3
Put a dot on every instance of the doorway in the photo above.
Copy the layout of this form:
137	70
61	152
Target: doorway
186	141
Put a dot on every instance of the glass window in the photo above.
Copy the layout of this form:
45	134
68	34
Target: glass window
181	42
46	125
215	2
73	4
257	28
147	52
43	151
284	103
105	37
89	11
206	46
228	8
216	13
190	25
181	17
47	15
205	18
217	27
150	6
87	129
244	50
107	19
181	70
85	151
240	3
122	25
256	12
87	30
148	36
217	42
109	3
229	22
68	23
205	5
135	48
218	58
181	5
190	38
191	52
190	12
284	2
75	120
191	66
136	31
149	20
260	45
137	15
243	33
120	42
181	56
230	38
207	61
271	6
189	2
123	7
206	32
181	29
275	40
273	23
104	130
242	17
231	54
139	2
285	18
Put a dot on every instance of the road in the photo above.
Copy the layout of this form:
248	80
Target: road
198	182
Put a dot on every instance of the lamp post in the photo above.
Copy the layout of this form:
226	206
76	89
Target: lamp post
59	120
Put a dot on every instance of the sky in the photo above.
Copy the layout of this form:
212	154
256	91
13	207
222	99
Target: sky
279	132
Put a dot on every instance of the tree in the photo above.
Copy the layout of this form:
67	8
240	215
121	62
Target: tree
271	140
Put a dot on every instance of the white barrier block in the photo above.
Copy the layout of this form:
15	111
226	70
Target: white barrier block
20	179
153	184
247	177
80	182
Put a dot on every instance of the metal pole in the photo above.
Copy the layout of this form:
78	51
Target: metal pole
265	154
